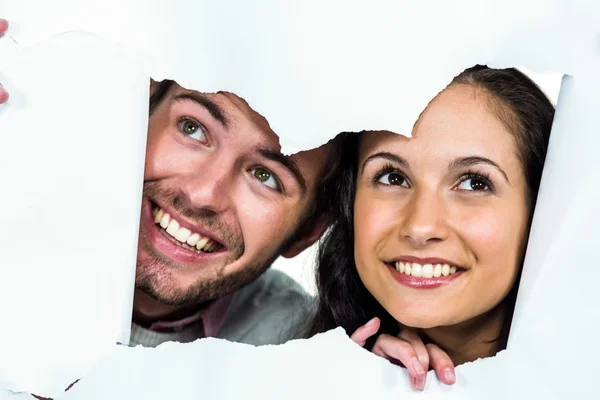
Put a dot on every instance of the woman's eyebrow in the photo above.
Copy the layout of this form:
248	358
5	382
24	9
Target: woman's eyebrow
386	156
474	160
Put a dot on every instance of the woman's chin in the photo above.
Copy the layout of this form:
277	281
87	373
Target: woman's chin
420	321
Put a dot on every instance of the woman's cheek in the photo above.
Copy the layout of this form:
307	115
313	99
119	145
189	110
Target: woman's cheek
483	230
374	220
490	236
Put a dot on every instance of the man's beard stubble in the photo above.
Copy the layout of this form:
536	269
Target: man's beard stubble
155	277
156	282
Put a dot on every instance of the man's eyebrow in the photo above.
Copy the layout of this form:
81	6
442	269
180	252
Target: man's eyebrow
215	110
386	156
287	163
474	160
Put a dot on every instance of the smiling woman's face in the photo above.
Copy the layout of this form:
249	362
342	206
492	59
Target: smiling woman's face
453	197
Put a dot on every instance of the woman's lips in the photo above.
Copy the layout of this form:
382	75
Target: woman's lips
424	282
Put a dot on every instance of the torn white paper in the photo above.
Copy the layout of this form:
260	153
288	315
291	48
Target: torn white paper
315	69
556	314
318	68
71	162
329	366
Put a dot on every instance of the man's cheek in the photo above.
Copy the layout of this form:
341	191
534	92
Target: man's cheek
262	226
161	163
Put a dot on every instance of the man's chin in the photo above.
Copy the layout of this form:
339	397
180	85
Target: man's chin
168	285
168	288
170	297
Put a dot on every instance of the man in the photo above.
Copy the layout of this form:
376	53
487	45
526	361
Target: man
220	204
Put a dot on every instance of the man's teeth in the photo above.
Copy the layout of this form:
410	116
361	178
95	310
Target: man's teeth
183	235
425	270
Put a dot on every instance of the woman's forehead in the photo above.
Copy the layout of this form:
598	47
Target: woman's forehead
458	122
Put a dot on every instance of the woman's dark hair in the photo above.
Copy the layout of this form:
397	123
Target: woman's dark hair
343	300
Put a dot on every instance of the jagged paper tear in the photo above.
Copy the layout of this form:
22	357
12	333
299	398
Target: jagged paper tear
71	160
217	369
318	68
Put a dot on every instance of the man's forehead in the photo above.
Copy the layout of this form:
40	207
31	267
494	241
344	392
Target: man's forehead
238	112
235	109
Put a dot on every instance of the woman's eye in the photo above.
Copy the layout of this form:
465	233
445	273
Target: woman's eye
266	177
473	184
394	179
193	129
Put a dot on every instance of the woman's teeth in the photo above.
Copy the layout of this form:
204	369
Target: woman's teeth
426	270
183	235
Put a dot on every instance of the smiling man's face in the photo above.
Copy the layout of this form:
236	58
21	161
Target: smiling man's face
219	201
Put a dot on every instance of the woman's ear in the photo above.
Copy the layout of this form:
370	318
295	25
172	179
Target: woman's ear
307	238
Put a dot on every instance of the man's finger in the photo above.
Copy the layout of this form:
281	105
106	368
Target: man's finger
363	333
442	364
3	26
417	344
3	95
393	348
3	92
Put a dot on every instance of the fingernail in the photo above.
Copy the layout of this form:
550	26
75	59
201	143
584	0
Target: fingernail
449	376
371	322
420	382
417	366
413	382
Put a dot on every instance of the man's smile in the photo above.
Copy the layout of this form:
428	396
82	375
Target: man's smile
182	241
183	236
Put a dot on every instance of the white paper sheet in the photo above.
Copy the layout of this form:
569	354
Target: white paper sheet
315	69
318	68
329	366
71	162
557	314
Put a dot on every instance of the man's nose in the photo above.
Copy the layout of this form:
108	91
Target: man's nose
425	220
210	187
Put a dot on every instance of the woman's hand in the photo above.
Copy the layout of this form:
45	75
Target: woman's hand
3	93
409	349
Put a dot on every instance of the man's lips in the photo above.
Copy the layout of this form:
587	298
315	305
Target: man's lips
189	235
169	247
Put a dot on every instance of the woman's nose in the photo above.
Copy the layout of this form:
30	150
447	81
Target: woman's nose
425	220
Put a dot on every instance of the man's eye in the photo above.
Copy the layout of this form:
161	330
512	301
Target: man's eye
473	184
393	179
193	129
266	177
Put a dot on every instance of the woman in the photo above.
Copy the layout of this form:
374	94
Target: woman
430	232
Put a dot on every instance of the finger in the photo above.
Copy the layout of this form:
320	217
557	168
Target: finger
393	348
363	333
417	383
417	344
3	26
441	363
3	95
